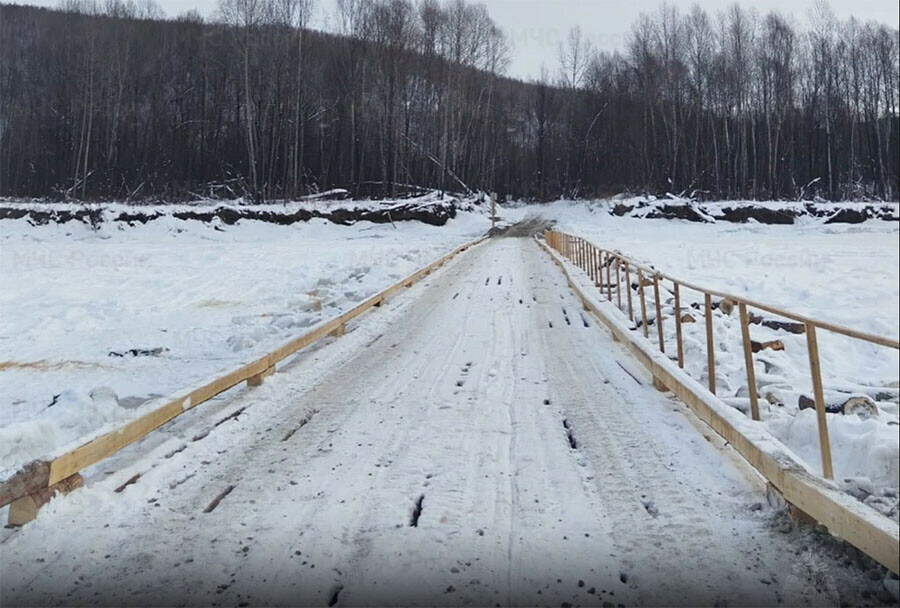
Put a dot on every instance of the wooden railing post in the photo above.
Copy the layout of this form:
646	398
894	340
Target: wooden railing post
590	262
619	281
678	335
710	344
643	303
659	320
816	372
748	361
609	276
628	281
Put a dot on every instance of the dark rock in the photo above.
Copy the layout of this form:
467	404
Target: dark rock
849	216
684	211
622	210
763	215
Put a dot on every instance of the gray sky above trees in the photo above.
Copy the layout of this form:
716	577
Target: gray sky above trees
536	27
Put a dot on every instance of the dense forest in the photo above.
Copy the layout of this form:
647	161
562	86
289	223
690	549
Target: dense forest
111	100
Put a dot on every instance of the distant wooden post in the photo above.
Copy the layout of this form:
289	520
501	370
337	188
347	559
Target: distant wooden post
812	344
678	336
643	303
710	345
748	361
493	210
659	320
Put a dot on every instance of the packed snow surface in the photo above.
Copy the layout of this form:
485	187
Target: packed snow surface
93	323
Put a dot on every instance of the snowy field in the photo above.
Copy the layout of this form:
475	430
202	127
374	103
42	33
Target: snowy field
95	323
846	274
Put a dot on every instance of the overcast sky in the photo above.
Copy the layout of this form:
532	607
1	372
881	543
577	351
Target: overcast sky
536	26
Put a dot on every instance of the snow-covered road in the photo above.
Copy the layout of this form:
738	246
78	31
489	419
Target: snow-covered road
478	440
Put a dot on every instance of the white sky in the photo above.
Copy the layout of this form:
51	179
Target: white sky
537	26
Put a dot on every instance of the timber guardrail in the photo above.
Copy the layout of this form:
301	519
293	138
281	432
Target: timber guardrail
36	482
858	524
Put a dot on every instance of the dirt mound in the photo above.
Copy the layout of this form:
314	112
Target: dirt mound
435	213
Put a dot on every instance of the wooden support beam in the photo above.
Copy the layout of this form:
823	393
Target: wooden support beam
816	372
24	509
748	361
710	344
678	335
658	385
31	478
258	379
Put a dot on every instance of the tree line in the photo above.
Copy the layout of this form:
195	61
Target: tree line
110	100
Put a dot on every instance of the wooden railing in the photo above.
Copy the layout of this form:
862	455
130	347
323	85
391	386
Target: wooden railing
597	262
37	481
807	495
